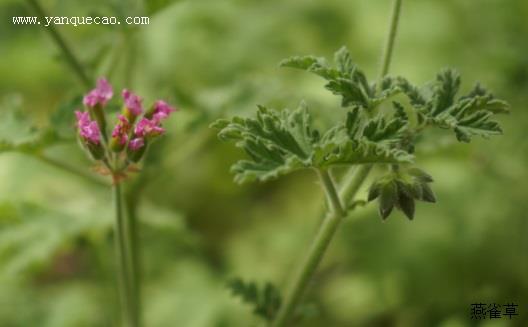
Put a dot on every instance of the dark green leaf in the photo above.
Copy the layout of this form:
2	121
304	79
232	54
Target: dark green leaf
445	91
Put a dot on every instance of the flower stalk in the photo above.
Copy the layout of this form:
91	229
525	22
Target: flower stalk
126	269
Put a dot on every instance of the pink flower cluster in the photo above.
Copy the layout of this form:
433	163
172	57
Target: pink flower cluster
124	132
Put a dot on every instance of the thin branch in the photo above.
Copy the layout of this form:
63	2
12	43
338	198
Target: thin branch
70	57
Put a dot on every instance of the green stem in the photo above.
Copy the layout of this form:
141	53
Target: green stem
132	221
350	186
66	50
391	37
315	253
125	276
352	181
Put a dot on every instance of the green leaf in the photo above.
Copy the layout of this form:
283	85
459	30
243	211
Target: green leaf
265	300
412	92
344	79
357	152
468	116
476	124
32	234
445	91
282	142
277	142
15	127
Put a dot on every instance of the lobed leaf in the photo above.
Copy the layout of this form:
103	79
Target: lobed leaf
469	115
282	142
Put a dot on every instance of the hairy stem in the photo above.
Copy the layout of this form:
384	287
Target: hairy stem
338	201
126	273
391	37
131	203
70	57
351	183
315	253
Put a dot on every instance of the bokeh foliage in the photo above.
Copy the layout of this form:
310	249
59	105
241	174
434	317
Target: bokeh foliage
198	228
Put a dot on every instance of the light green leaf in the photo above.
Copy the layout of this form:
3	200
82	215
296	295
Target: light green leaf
18	133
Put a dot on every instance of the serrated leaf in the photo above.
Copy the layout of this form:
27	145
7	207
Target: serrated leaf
399	112
357	152
282	142
412	92
446	90
345	79
470	115
277	142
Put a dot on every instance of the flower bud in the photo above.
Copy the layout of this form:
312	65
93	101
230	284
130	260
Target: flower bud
97	99
120	134
133	105
90	135
160	110
96	151
136	149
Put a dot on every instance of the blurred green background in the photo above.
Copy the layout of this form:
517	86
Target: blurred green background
198	229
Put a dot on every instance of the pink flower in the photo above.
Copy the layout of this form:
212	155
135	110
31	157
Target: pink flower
136	144
132	102
121	130
88	129
100	95
148	127
162	110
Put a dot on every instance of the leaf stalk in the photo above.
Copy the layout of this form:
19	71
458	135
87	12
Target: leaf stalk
338	202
